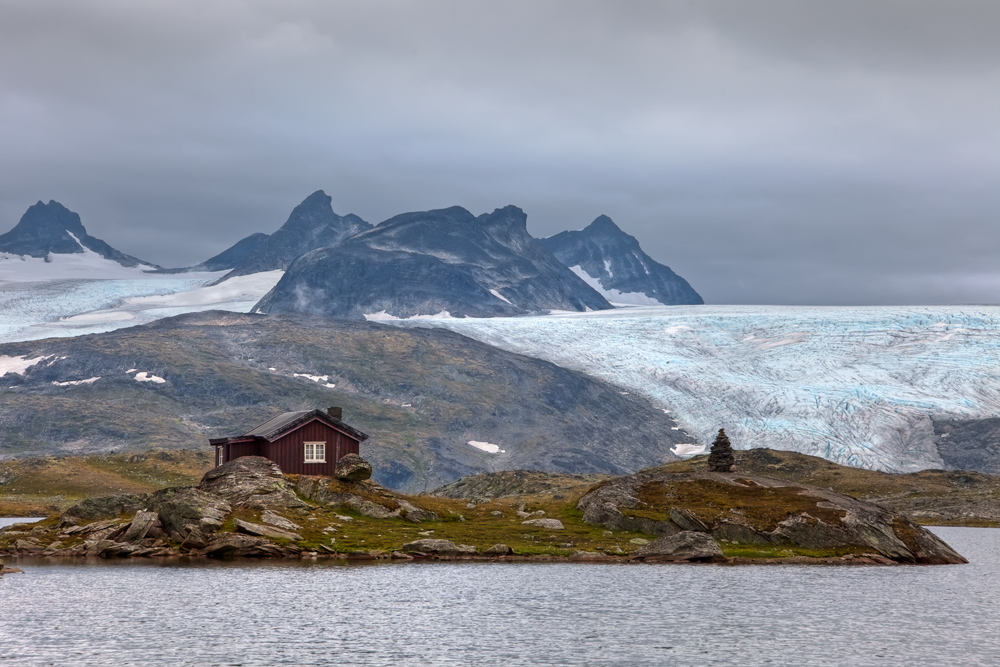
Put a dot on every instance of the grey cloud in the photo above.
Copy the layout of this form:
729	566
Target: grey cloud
781	152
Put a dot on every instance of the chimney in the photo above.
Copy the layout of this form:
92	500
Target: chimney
335	412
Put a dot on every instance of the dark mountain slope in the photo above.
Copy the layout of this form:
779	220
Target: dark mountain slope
433	261
50	228
614	259
312	224
422	395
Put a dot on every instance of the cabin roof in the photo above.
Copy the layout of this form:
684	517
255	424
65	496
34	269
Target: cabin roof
278	426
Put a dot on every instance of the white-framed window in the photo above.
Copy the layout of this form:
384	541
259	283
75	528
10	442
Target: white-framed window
220	455
315	452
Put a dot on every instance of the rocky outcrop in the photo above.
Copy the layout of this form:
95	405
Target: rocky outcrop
747	510
353	468
686	546
251	480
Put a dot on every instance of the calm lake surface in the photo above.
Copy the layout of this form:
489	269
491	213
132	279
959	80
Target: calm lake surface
317	613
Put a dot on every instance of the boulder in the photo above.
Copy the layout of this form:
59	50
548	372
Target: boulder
184	506
235	544
253	481
499	550
353	468
265	531
142	523
548	524
415	514
436	547
278	521
686	546
9	570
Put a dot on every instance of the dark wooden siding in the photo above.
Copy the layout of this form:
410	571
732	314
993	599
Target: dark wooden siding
289	450
238	449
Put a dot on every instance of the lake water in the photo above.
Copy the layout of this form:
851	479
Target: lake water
318	613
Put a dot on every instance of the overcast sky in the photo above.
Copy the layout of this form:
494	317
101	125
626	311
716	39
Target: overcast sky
770	152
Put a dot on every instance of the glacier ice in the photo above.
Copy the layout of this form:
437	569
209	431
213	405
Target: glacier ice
855	385
33	308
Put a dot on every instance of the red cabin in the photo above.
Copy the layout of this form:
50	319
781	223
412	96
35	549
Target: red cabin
309	442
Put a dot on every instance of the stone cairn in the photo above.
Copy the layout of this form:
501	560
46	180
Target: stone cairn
721	457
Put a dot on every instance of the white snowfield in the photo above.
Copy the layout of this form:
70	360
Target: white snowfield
855	385
36	303
487	447
613	296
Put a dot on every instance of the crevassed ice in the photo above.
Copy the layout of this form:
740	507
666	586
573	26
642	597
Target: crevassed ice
855	385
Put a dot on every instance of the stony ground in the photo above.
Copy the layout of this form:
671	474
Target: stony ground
248	508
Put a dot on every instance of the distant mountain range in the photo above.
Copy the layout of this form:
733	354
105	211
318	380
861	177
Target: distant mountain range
611	261
433	262
414	264
53	228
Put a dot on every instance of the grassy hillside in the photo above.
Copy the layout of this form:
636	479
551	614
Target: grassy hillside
42	485
421	394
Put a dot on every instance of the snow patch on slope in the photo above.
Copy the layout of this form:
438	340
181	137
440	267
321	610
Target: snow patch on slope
487	447
500	296
612	295
74	383
318	379
144	376
18	365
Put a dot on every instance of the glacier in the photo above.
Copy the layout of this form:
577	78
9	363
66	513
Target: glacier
858	386
36	305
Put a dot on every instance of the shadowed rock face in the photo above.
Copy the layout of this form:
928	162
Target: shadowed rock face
46	228
971	444
760	511
429	262
615	260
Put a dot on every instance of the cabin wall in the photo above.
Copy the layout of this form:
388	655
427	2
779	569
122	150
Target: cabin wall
289	451
235	450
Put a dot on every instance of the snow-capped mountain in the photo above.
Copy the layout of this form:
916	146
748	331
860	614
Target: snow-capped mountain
431	262
52	229
611	261
312	224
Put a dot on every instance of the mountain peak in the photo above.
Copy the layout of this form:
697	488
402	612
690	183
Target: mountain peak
603	223
53	228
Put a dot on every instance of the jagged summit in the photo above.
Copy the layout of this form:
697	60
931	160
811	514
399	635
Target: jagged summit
429	262
312	224
53	228
611	261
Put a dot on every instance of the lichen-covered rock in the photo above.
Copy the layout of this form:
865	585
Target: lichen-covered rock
265	531
106	507
235	544
253	481
415	514
142	523
353	468
278	521
183	506
439	548
686	546
548	524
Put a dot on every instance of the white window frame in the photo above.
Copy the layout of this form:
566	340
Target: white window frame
312	449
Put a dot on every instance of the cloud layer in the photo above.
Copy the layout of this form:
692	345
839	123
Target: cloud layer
770	152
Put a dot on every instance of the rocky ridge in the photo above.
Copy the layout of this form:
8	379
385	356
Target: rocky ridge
429	263
248	508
